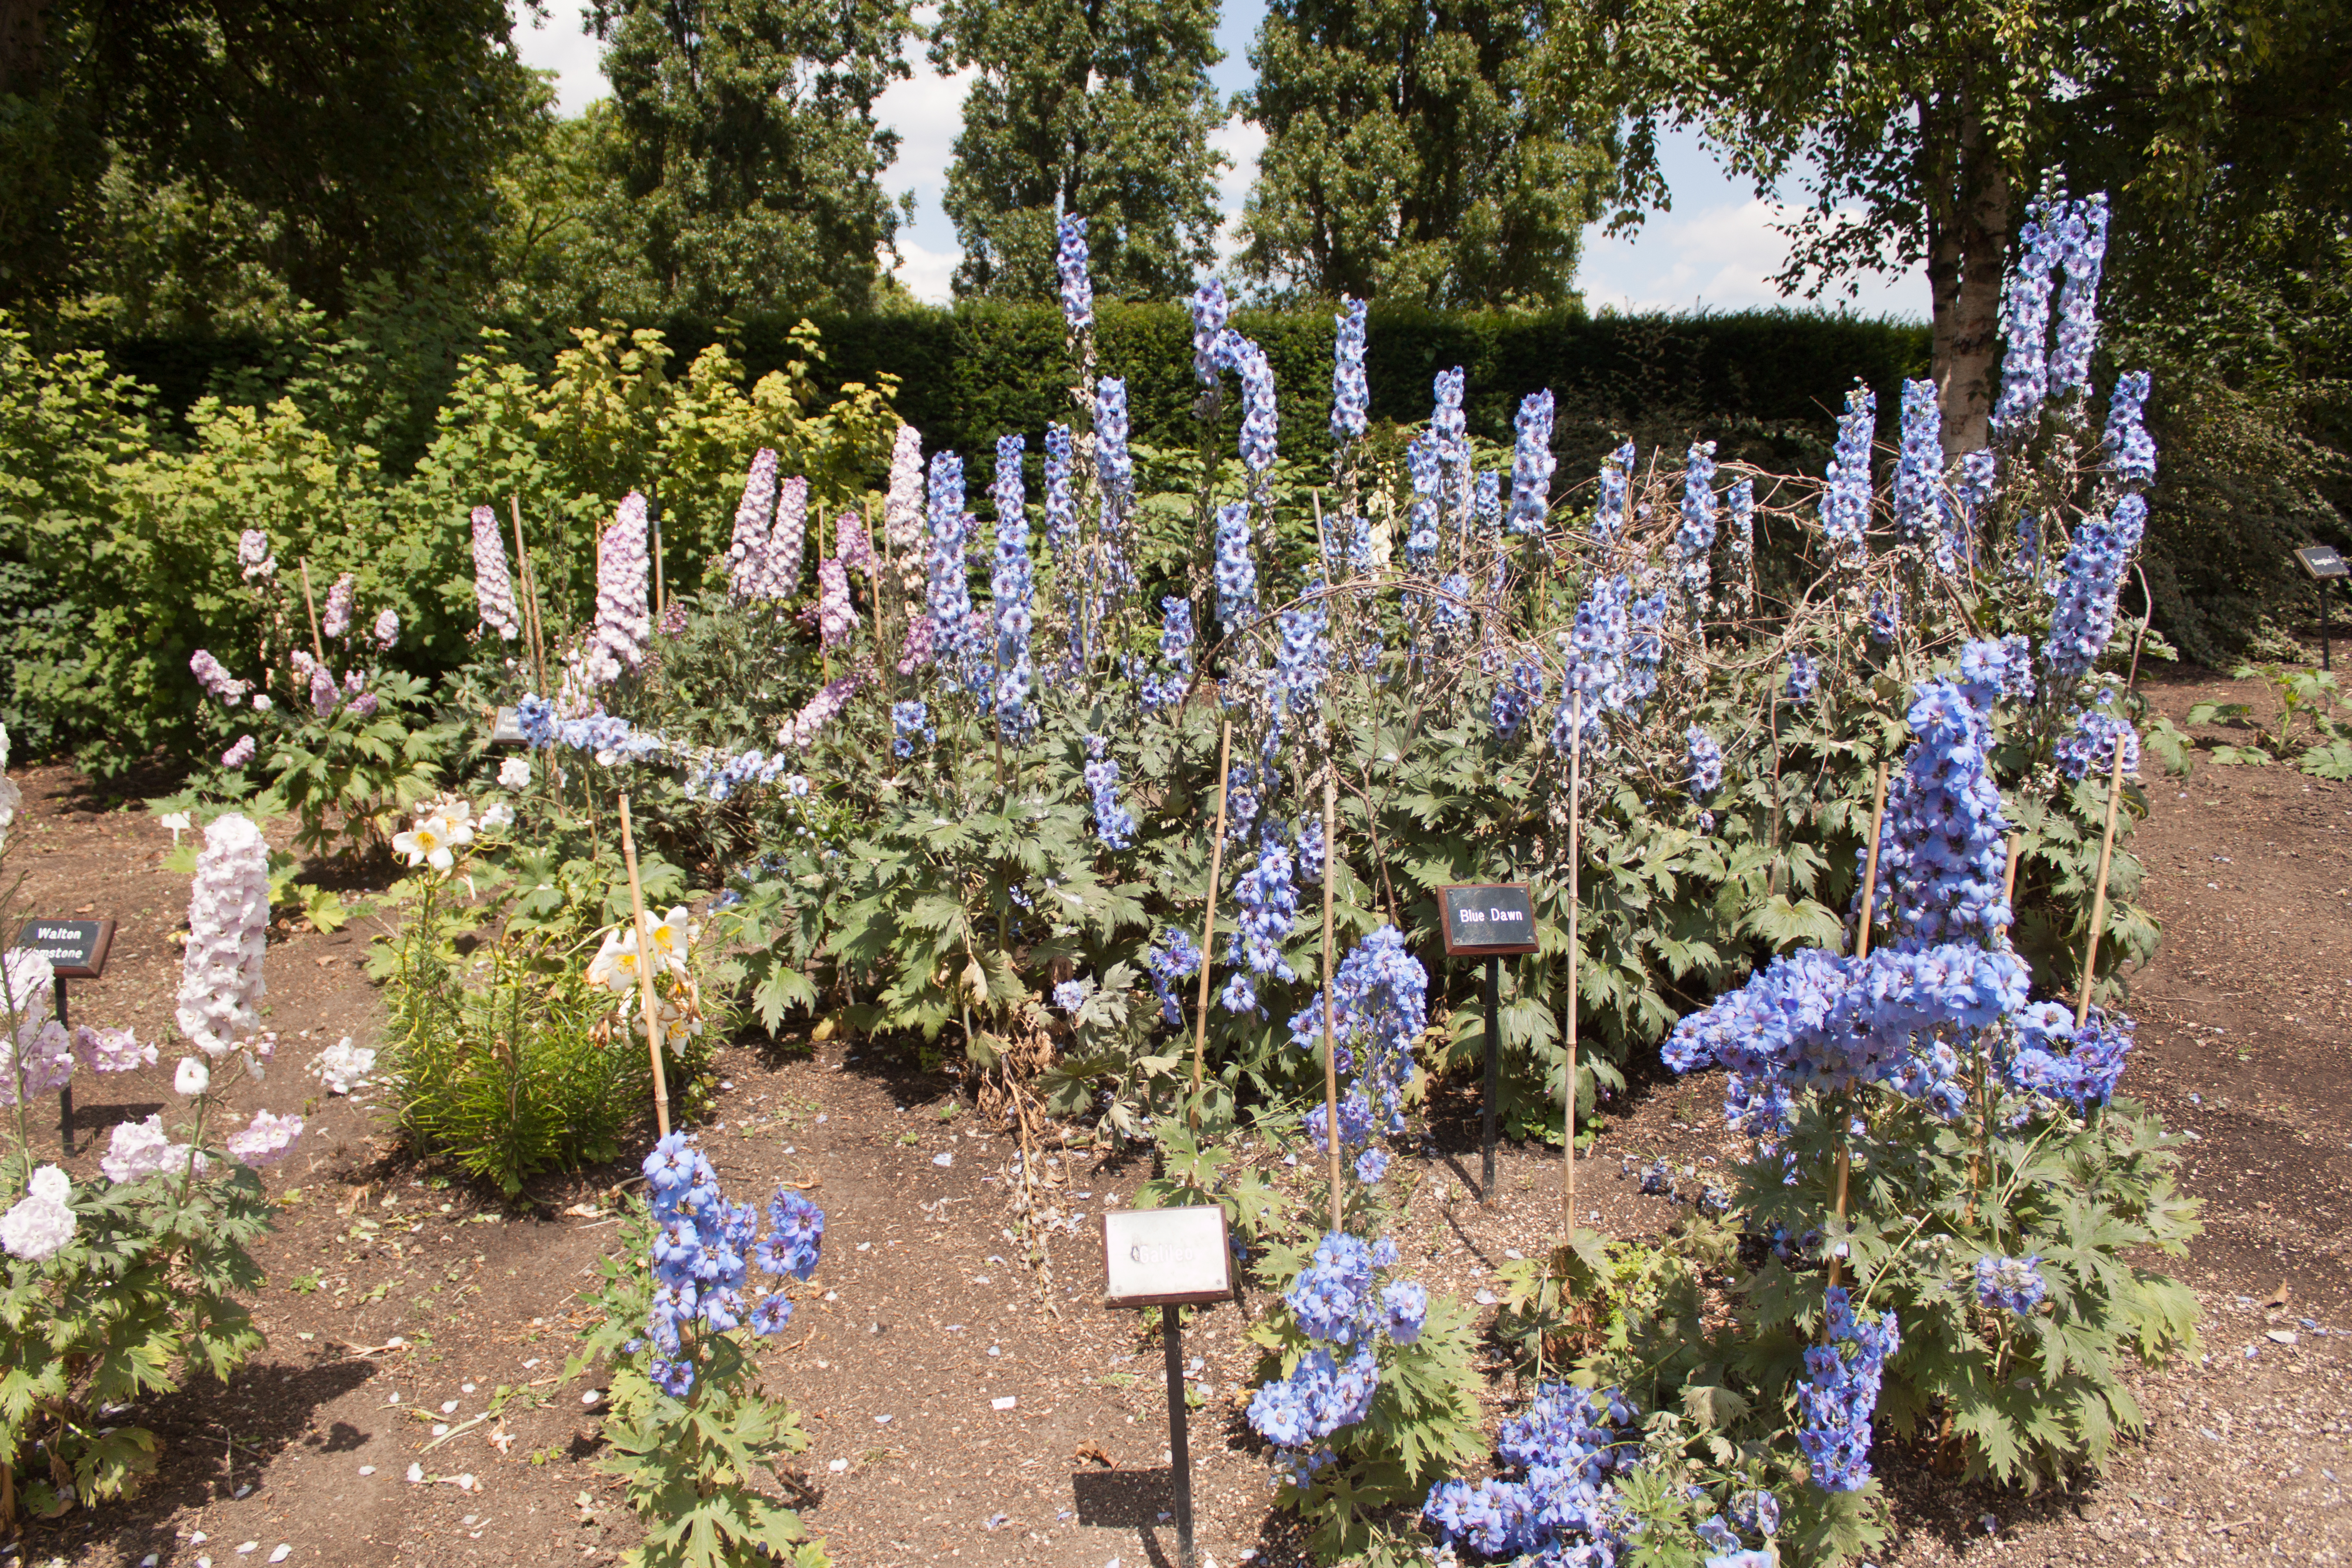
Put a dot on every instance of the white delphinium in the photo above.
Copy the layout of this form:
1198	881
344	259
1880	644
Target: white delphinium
142	1149
35	1052
41	1222
194	1077
497	815
221	984
344	1067
514	774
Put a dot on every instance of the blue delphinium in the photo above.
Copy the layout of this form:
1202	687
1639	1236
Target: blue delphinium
2088	751
1840	1394
1014	588
1845	499
2131	451
1210	311
1563	1506
1176	957
1451	429
1804	677
702	1253
1070	262
1944	848
1705	763
2011	1284
2084	615
1159	692
1266	897
2025	325
1756	1510
1113	822
1696	538
908	720
1302	658
1596	653
1114	465
1259	424
1309	857
2057	1059
2082	250
1520	690
1532	464
1886	615
1608	518
1346	1309
955	634
1421	459
1918	471
1974	489
1069	995
1351	394
1486	499
1236	572
1061	507
1741	499
1380	1005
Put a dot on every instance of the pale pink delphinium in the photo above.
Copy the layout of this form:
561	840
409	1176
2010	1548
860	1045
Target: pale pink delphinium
747	554
212	678
853	546
221	983
902	507
240	753
267	1140
624	576
37	1049
337	621
836	619
387	631
788	540
494	597
253	557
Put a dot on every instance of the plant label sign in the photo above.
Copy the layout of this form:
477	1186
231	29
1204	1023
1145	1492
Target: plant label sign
506	730
74	949
1486	920
2323	562
1167	1257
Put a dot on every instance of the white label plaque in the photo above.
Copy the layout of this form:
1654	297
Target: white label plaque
1175	1257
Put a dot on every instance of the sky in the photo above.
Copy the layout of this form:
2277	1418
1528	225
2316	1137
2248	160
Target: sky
1713	250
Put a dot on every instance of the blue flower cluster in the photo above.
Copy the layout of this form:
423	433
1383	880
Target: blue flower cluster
1266	897
608	736
955	630
1070	262
1236	572
1532	464
1310	854
1302	658
1061	507
1991	670
1176	649
1804	678
1420	460
1845	498
1741	499
1945	846
1974	489
717	778
2131	450
1696	538
1209	312
2025	326
1486	499
2082	233
1258	421
1520	690
1841	1393
1448	424
2057	1061
1352	393
2011	1284
1346	1309
1070	995
1014	591
2088	751
702	1253
1114	822
2083	618
1706	770
1918	471
1114	464
1565	1508
1886	615
908	720
1380	1007
1177	957
1608	517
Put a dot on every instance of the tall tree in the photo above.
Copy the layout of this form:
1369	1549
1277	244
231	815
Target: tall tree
1916	132
1404	159
350	136
746	153
1100	107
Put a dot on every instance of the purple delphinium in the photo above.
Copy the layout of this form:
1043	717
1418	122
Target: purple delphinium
1351	394
1070	264
2025	325
1845	498
1014	588
2131	451
2084	615
2082	250
1532	464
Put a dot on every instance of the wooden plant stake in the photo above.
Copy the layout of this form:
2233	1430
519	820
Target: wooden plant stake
1330	975
661	592
527	581
646	972
316	646
1209	919
1860	951
1575	900
2099	898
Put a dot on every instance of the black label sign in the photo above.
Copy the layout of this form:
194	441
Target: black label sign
1484	920
74	949
2322	562
506	730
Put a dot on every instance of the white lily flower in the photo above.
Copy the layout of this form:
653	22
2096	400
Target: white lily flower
429	844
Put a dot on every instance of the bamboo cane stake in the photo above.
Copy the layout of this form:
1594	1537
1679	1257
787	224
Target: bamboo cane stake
1860	951
646	972
1209	918
1575	901
316	646
2099	898
529	582
1330	1003
661	592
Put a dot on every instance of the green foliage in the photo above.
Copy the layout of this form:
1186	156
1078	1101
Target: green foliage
688	1466
1408	160
1101	109
2306	719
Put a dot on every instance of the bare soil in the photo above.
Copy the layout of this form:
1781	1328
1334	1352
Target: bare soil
402	1304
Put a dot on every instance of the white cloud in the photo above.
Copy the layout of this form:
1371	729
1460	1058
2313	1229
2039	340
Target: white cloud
1720	254
1242	143
927	273
559	45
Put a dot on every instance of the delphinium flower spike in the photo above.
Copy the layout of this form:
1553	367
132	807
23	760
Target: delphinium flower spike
1841	1393
624	623
1236	572
1918	471
1741	499
1845	496
1070	265
1114	823
494	600
1608	517
1209	312
1696	538
2131	451
1532	464
902	506
953	632
747	550
2025	326
787	542
2081	250
220	980
1351	395
2084	615
1014	588
335	621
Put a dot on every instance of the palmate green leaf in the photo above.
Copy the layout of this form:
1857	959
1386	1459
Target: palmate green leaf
1786	924
2332	761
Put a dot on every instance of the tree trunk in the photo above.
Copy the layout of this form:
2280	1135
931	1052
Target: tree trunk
23	39
1967	252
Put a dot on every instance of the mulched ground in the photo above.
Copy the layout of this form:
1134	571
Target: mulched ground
417	1320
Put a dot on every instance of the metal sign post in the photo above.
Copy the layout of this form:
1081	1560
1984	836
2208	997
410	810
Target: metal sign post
1489	920
2323	563
1169	1259
76	950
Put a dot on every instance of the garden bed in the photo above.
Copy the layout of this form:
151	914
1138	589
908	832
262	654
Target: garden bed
930	1319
